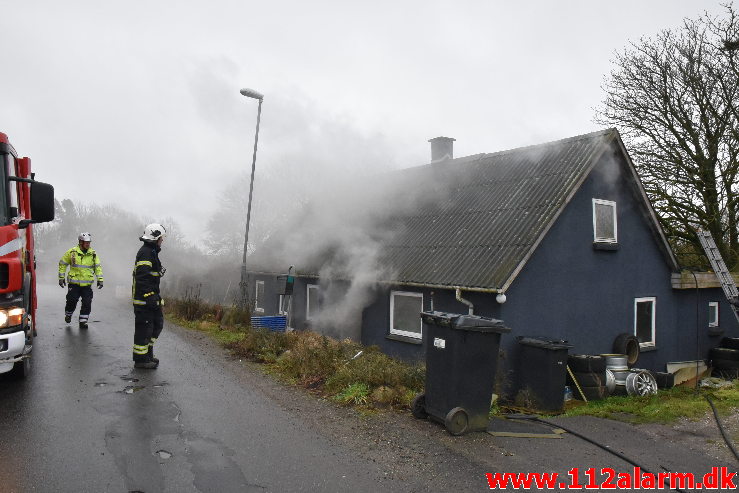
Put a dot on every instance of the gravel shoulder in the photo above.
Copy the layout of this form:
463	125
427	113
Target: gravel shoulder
422	453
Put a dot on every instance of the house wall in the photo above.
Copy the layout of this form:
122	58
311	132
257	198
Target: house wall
568	290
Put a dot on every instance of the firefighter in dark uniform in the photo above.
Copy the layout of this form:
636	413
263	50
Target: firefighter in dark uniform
147	303
84	266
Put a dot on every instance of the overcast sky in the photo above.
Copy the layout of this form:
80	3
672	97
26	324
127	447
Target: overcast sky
137	103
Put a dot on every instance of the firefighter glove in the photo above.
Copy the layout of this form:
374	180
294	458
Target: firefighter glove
100	284
62	283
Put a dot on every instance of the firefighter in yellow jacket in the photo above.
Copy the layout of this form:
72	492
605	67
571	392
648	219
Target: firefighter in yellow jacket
84	267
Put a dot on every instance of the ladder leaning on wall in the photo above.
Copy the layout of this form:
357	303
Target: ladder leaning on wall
719	267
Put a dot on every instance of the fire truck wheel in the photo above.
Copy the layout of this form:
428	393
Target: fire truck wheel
21	369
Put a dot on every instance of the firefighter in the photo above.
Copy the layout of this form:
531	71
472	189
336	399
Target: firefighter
147	302
84	267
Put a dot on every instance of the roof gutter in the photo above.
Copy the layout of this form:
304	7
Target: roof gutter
401	283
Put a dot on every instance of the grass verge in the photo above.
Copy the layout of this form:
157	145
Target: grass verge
343	371
665	407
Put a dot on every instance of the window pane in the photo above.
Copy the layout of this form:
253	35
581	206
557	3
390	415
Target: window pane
259	297
312	302
713	314
406	313
604	221
644	320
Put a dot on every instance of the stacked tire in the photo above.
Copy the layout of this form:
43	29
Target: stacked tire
725	358
591	376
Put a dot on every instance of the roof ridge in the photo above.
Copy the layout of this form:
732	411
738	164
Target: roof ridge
553	142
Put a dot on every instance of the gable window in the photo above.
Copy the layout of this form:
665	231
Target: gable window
644	320
311	305
605	228
259	297
405	313
713	314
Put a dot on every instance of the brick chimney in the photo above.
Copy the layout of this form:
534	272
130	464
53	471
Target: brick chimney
442	148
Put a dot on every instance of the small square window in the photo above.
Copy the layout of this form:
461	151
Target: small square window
644	321
311	305
713	314
405	313
605	227
259	297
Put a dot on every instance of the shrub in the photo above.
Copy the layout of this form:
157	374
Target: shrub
354	394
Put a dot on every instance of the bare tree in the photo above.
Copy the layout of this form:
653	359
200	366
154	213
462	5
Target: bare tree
675	100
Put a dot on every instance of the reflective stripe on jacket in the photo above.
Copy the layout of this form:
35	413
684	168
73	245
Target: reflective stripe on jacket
83	266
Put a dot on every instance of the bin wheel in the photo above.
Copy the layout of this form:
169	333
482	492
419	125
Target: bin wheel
418	407
456	421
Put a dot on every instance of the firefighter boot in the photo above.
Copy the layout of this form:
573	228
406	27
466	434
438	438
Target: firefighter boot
83	325
150	355
146	364
68	318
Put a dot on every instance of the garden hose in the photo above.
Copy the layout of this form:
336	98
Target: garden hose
721	428
590	440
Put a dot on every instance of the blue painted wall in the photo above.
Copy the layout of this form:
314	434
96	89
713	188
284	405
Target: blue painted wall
568	290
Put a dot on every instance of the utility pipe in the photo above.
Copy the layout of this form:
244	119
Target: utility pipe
458	292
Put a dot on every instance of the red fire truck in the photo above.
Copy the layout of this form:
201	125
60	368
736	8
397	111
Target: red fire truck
23	201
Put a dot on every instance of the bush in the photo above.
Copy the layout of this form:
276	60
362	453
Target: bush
312	358
261	345
352	374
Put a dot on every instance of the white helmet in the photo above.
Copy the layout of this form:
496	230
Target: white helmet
85	237
153	232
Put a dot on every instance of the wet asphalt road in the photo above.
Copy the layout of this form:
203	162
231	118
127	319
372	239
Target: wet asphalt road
85	420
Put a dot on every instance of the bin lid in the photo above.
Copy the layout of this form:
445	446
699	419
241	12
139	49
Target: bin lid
458	321
477	323
543	342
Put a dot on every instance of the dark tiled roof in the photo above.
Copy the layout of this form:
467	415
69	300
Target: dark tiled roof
470	222
492	212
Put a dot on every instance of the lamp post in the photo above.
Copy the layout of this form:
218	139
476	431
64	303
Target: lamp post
249	93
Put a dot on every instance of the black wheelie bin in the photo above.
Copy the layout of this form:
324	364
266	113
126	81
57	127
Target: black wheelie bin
461	360
543	371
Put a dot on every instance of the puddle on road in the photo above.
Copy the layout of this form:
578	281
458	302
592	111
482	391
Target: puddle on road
163	454
100	384
129	379
160	384
133	388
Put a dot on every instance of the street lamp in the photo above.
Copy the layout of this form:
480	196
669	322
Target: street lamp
250	93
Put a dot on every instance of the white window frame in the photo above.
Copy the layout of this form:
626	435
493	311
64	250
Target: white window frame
258	301
307	301
596	239
280	306
405	333
653	300
713	306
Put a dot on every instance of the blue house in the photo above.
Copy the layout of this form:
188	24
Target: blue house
558	240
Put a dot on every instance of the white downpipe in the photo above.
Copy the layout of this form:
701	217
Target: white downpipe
458	292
